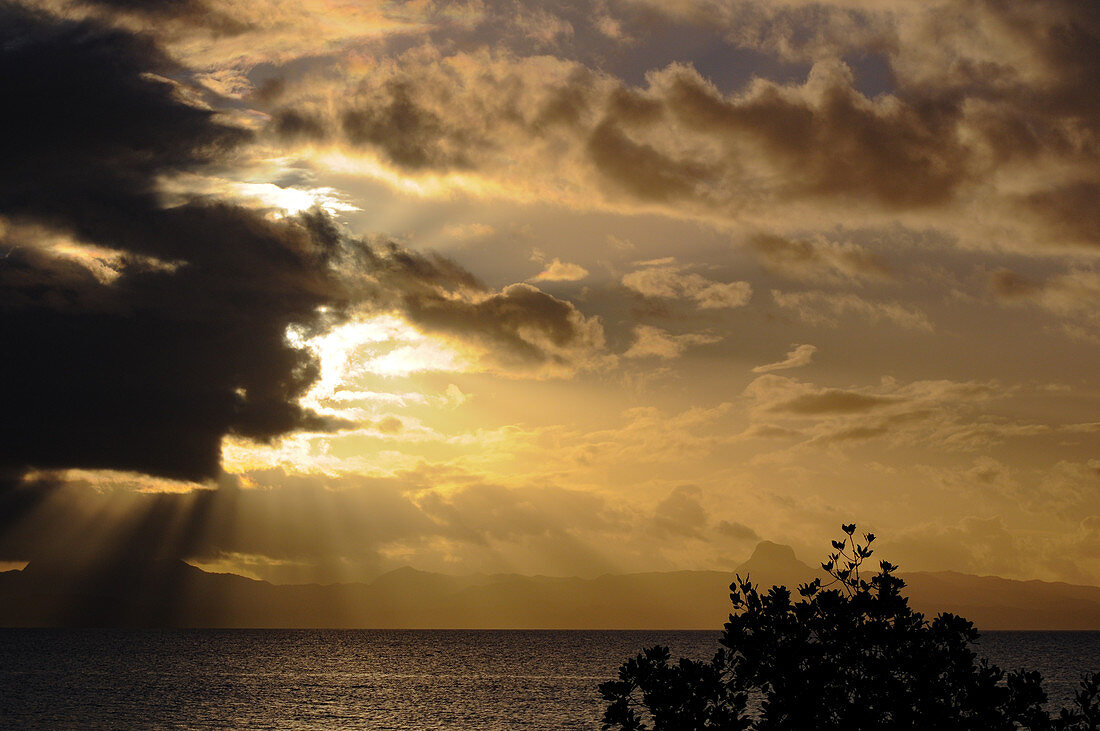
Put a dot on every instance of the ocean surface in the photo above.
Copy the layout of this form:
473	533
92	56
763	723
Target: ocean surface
370	679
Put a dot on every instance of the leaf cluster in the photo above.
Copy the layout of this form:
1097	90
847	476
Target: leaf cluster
849	653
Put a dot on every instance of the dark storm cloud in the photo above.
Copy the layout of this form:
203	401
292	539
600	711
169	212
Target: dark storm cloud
412	274
142	354
90	121
148	372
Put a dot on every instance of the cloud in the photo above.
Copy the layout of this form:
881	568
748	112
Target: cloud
1068	210
516	330
795	30
681	514
409	134
431	113
483	512
832	401
802	355
826	139
223	39
994	543
467	232
948	415
845	147
520	327
85	97
825	308
737	531
1071	293
643	170
186	12
557	271
664	279
903	111
160	364
817	260
1071	296
541	26
272	517
185	342
147	333
653	342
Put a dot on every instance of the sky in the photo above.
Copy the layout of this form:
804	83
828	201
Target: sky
312	290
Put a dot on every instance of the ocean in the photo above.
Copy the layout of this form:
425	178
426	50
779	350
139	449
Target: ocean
373	679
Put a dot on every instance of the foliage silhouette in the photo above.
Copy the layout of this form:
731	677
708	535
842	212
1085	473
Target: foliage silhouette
849	654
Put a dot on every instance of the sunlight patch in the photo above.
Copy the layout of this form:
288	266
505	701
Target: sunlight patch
381	345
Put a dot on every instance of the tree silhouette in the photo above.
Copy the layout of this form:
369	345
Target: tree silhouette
849	654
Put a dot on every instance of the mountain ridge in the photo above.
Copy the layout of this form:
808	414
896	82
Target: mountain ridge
177	594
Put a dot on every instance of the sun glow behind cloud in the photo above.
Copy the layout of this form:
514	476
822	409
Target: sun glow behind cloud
293	200
254	191
367	374
378	345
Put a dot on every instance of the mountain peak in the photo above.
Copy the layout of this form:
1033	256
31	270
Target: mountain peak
769	552
775	563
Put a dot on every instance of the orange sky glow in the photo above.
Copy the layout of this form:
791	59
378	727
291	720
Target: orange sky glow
557	288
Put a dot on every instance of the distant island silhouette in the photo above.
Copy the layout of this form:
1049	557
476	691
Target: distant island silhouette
171	593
